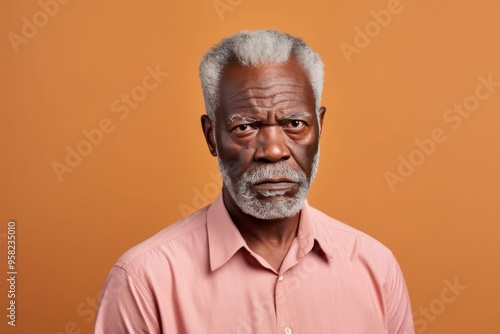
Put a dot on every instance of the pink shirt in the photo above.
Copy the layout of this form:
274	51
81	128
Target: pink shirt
199	276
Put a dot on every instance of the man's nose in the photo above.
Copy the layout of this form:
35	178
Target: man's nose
271	145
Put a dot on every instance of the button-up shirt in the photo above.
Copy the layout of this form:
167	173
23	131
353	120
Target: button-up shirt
199	276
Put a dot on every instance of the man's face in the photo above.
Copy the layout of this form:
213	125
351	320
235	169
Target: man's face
267	137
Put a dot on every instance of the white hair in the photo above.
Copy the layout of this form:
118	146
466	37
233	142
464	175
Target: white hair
254	48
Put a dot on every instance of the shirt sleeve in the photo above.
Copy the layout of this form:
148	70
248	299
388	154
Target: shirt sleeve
125	306
399	314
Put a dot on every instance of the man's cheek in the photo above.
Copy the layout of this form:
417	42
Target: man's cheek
305	158
234	169
240	159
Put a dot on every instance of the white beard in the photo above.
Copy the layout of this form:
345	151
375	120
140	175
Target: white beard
248	202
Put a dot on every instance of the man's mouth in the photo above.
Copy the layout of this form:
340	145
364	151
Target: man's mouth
275	185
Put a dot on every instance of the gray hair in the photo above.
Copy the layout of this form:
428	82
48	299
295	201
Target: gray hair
254	48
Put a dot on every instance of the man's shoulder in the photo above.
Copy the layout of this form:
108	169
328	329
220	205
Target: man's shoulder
346	238
173	238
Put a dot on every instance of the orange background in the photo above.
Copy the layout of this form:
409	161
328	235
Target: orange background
442	222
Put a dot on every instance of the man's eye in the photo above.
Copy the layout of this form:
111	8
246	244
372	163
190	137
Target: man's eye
242	128
296	124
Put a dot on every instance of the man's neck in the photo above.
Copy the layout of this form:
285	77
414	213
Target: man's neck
271	239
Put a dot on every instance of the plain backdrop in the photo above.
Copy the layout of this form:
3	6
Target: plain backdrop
409	152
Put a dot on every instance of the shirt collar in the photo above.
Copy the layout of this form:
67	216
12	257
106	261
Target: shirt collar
311	230
224	238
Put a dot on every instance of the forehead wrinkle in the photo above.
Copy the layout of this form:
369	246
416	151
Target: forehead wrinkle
260	89
272	91
252	100
279	107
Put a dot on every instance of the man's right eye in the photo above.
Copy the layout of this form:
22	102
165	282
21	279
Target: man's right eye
242	128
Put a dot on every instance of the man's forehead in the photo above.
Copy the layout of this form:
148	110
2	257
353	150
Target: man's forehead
236	69
265	85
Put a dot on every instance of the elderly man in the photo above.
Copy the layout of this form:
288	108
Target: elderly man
259	259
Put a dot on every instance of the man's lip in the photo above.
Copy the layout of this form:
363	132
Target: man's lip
274	181
275	184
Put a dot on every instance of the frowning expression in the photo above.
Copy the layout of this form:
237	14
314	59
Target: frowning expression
266	133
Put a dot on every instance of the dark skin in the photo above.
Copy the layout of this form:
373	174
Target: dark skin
266	115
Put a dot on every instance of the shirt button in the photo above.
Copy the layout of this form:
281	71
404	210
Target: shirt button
288	330
279	280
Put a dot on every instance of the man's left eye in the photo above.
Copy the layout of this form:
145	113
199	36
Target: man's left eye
296	124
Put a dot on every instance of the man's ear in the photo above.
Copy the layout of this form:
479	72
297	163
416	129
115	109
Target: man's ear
321	114
208	132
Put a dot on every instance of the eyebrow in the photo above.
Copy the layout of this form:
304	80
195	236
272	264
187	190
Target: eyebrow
238	117
297	114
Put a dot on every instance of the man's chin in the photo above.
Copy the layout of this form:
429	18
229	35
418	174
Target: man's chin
271	207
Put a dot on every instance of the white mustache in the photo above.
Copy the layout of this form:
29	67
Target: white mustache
278	170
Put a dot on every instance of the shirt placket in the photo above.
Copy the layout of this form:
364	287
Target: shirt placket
286	314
